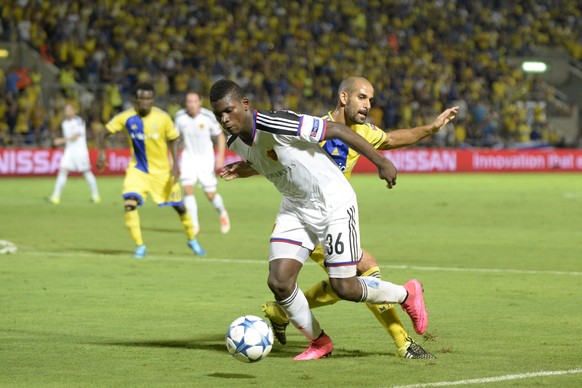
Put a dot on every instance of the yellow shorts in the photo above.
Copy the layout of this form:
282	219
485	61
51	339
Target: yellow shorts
318	256
162	188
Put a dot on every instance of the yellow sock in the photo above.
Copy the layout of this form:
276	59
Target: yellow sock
133	224
188	225
321	294
386	315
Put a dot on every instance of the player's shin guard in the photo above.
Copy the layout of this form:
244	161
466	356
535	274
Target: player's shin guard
133	224
188	225
377	291
297	309
386	315
321	294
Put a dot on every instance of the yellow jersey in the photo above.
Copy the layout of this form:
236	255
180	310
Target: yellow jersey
148	137
345	157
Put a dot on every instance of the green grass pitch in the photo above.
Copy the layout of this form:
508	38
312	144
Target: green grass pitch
500	257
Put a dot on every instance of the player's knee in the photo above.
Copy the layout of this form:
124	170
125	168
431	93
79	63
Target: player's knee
211	195
347	288
281	288
180	209
130	204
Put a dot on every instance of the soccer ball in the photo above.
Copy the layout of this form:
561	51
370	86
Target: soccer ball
249	339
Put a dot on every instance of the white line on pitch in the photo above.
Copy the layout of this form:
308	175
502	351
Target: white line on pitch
491	270
265	261
494	379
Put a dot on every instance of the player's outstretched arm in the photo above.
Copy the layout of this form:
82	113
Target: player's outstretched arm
386	169
405	137
237	170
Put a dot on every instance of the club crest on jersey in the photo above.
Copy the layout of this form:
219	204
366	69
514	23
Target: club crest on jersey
201	126
272	154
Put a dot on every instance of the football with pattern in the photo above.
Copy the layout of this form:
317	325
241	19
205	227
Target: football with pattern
249	339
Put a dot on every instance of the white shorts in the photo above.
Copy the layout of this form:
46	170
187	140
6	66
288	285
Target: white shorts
78	162
298	231
196	170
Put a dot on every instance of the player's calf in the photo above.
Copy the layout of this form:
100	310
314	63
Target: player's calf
347	288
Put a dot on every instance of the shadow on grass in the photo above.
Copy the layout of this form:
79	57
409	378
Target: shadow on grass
293	348
231	376
161	230
216	344
212	343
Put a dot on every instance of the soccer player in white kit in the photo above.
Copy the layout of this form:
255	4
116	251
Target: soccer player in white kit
318	207
197	126
75	157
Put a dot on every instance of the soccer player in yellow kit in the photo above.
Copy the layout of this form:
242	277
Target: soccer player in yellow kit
354	102
150	131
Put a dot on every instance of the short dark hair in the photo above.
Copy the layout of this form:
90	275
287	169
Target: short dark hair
143	86
223	88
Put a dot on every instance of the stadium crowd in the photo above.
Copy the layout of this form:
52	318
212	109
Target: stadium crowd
420	56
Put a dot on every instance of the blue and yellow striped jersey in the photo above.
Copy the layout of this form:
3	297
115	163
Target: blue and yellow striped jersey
148	137
345	157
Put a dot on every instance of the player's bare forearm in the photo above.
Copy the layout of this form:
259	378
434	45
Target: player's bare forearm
59	141
236	170
405	137
173	145
221	145
386	169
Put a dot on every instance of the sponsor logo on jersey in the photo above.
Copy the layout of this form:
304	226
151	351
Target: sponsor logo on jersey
277	174
142	136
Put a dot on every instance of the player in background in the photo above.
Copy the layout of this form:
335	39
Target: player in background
318	207
355	96
75	157
150	132
198	127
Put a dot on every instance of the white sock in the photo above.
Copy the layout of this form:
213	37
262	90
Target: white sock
192	207
60	184
218	204
90	178
377	291
297	309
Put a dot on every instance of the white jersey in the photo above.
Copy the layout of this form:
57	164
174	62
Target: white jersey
285	149
197	133
72	127
76	155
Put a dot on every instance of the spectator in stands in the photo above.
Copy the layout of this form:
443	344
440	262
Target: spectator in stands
464	59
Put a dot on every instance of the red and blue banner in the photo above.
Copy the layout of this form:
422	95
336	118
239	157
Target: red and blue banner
45	162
